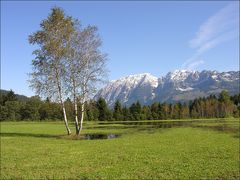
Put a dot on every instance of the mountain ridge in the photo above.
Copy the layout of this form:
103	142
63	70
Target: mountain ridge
178	85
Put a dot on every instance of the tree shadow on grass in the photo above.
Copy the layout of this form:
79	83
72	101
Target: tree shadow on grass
67	137
28	135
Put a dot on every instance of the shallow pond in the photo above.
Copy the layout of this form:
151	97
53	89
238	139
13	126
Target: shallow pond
100	136
218	124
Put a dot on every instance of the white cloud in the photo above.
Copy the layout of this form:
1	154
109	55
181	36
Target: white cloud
195	64
223	21
217	40
219	28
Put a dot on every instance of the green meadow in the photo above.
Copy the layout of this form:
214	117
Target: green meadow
186	149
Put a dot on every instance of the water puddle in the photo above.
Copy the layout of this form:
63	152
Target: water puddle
100	136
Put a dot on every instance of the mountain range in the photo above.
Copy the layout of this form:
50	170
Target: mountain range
179	85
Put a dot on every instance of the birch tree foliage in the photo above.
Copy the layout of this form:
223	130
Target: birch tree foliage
68	62
48	65
87	65
49	70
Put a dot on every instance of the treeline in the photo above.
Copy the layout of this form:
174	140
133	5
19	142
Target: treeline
34	108
12	108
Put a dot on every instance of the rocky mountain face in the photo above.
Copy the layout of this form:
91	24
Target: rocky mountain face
179	85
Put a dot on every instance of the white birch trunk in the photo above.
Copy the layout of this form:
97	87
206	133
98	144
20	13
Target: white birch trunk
82	117
65	119
75	106
76	117
62	103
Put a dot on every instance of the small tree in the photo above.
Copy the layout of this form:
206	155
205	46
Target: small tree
86	64
103	112
226	105
68	61
135	110
117	111
49	68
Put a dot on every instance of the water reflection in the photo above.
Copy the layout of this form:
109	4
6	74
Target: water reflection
100	136
218	124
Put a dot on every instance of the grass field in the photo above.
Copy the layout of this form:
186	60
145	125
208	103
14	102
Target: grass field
156	149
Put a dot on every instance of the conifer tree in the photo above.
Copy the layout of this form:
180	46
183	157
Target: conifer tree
103	111
117	111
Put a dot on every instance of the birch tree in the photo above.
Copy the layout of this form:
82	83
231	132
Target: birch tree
49	65
87	68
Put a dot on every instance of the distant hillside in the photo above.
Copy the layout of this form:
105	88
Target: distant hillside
19	97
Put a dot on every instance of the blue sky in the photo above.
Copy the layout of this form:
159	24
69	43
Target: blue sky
154	37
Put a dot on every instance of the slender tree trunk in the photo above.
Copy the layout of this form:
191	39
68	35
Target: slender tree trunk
82	117
64	114
76	115
82	108
65	119
62	103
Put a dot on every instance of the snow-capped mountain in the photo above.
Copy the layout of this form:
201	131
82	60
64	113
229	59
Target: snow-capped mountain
179	85
130	88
